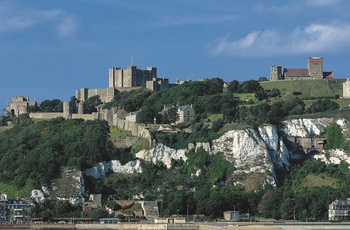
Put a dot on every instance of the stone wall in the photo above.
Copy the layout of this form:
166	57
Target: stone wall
346	89
187	226
45	115
135	128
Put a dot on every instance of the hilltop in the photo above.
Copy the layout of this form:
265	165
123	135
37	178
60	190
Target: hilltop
233	153
307	88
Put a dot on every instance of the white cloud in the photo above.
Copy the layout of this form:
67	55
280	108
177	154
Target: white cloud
314	38
322	2
67	27
18	18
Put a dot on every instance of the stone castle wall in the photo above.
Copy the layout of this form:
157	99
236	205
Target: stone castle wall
135	128
47	116
346	89
106	95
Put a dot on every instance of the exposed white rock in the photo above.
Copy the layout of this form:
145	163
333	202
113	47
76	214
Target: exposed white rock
335	156
203	145
102	168
162	153
307	127
37	195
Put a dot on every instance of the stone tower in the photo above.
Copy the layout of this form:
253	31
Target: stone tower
276	73
131	76
315	67
346	89
67	110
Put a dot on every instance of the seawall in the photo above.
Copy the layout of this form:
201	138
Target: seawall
188	226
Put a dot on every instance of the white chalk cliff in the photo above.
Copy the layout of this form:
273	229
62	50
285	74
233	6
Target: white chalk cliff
250	151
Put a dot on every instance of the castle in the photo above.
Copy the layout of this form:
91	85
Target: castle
20	105
314	70
125	80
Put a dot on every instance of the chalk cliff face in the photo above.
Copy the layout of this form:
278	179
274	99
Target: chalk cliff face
251	151
101	169
260	151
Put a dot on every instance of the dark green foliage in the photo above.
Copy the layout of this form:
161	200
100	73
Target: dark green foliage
91	103
130	100
4	119
146	115
170	116
305	202
334	135
262	79
34	154
248	86
323	105
217	125
274	93
185	94
53	208
180	191
261	94
54	105
294	106
232	86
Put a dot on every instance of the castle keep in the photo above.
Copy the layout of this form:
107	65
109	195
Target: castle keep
125	80
314	70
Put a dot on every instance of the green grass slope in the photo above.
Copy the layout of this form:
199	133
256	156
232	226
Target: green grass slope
307	88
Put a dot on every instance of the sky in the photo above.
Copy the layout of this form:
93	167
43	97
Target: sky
49	49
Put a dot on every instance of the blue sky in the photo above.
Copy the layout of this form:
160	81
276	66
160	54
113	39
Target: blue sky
51	48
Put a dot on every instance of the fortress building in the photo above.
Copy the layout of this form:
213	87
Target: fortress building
19	105
314	70
125	80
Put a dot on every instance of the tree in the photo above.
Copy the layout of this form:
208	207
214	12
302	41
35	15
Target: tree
323	105
233	86
248	86
262	79
172	115
50	105
146	115
261	94
91	103
335	137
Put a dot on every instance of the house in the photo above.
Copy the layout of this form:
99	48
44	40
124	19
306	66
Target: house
231	215
339	210
14	211
185	113
109	220
95	201
121	113
131	116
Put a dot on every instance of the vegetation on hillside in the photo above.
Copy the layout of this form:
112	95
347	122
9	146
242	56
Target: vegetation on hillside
32	154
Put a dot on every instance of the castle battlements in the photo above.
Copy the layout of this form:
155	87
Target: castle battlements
314	70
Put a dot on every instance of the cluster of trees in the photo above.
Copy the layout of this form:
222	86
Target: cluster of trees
53	208
34	154
296	199
197	185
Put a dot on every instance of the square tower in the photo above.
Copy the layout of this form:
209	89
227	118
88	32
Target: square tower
276	73
315	67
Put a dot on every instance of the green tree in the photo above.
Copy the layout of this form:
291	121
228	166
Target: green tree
248	86
261	94
233	86
335	137
146	115
172	115
91	103
323	105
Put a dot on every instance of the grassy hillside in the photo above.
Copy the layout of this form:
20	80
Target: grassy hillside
307	88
